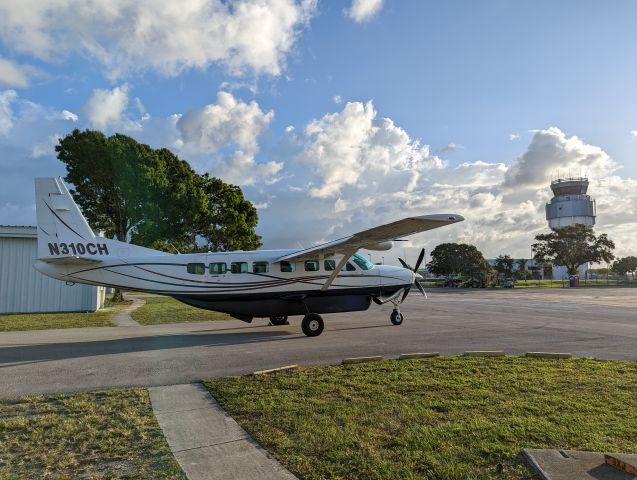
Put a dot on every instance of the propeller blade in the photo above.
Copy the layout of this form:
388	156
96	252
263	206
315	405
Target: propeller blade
419	261
405	295
419	286
404	264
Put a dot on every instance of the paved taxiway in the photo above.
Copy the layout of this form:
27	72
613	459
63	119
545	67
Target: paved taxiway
596	322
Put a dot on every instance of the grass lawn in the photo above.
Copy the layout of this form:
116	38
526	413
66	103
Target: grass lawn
44	321
109	434
445	418
168	310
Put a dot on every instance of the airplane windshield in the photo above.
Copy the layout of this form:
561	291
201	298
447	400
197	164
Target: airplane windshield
362	262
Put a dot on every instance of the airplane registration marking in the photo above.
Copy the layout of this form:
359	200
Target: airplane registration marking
78	248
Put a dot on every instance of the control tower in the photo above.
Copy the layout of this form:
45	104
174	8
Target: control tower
570	205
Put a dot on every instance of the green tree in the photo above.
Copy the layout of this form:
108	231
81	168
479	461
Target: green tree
504	265
625	265
521	271
230	220
459	259
573	246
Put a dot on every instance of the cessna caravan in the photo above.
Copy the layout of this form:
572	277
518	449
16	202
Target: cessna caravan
327	278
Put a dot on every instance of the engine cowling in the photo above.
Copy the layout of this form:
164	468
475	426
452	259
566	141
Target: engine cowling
380	246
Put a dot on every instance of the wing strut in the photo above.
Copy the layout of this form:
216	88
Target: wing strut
346	256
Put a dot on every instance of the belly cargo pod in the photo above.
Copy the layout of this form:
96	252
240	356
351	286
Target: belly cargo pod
24	290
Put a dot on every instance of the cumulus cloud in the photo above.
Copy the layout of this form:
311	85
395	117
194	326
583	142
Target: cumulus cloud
6	112
12	75
230	121
514	136
363	10
552	152
353	144
167	37
634	133
105	108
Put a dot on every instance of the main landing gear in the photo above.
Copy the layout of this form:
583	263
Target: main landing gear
312	325
279	320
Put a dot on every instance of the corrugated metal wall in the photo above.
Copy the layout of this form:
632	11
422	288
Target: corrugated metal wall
23	289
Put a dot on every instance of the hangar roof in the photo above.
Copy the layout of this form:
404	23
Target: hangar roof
18	231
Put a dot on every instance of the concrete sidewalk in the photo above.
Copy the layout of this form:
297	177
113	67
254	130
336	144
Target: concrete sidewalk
124	317
206	441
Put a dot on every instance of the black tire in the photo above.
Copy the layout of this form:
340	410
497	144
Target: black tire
279	320
396	317
312	325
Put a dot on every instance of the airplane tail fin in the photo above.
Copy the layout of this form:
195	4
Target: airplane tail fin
64	232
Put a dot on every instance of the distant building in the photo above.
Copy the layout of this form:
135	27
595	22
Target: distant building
570	205
23	289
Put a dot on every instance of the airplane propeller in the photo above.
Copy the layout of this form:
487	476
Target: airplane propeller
415	270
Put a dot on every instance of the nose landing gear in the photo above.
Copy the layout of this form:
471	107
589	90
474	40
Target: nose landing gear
396	317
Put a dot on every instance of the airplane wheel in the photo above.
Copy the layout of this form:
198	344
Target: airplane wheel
312	325
279	320
396	317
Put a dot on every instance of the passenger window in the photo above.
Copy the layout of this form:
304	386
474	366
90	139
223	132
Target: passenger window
217	268
329	265
311	265
239	267
196	268
349	267
288	266
260	267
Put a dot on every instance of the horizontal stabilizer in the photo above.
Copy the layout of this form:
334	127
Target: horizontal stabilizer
70	260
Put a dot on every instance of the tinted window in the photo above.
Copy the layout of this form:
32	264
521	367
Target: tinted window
311	265
362	262
329	265
288	266
349	267
239	267
217	268
197	268
260	267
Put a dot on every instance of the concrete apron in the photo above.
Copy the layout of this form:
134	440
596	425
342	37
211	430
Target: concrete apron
206	441
576	465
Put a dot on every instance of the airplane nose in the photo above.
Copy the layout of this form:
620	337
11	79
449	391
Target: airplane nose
418	276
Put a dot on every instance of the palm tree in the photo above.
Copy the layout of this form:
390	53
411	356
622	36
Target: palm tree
522	267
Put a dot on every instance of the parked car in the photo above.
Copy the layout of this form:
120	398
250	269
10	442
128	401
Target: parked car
508	284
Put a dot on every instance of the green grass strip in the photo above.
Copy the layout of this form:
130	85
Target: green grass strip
160	310
445	418
108	434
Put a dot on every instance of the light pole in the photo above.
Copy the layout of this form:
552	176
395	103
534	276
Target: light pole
382	260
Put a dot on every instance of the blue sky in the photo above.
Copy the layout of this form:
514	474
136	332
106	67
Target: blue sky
397	107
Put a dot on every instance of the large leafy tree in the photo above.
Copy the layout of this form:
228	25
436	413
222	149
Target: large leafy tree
573	246
625	265
230	220
458	259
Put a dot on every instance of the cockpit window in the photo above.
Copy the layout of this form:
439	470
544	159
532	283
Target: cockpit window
362	262
349	267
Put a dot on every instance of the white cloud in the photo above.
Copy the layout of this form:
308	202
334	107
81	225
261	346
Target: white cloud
634	133
363	10
106	109
6	113
12	75
228	122
344	147
45	148
162	35
66	115
514	136
337	99
552	153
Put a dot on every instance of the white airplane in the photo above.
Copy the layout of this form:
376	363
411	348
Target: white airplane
327	278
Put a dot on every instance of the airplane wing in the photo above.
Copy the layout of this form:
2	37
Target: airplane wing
348	246
376	235
70	260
